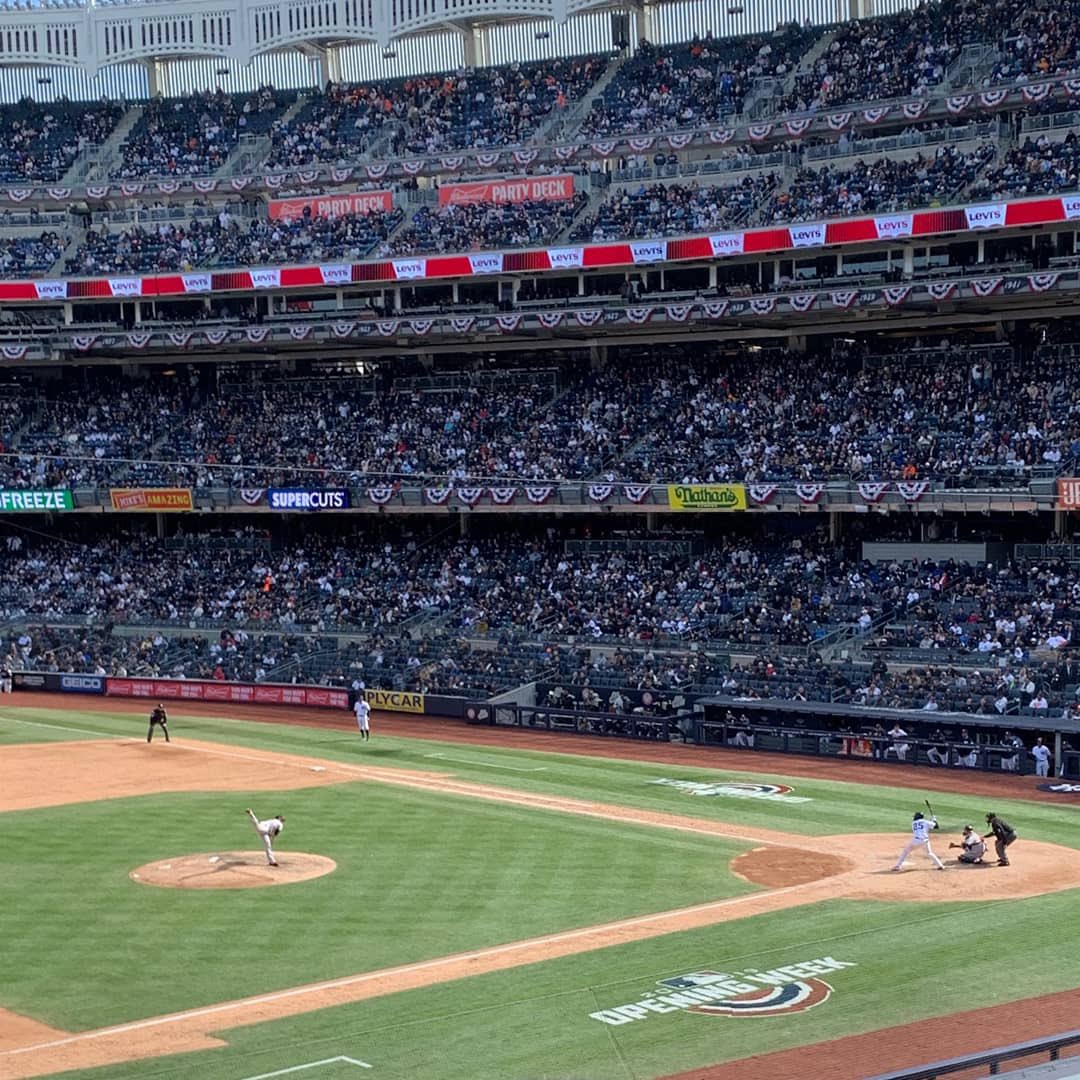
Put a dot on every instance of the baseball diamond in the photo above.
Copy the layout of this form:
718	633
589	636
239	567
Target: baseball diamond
673	882
539	539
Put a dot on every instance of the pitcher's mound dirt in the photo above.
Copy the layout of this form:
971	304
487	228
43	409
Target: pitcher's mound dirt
232	870
777	867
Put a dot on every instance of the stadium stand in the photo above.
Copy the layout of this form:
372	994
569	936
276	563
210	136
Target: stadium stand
193	136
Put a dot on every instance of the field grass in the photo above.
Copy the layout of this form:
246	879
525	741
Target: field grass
421	874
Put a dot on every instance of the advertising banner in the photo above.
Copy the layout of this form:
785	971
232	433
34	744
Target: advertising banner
233	693
35	499
707	496
308	499
1068	491
155	500
331	206
518	189
395	700
82	684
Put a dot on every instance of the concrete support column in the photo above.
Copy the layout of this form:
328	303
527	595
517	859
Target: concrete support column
836	526
153	77
463	524
1061	523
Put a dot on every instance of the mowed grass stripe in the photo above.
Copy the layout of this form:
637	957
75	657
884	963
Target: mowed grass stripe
419	875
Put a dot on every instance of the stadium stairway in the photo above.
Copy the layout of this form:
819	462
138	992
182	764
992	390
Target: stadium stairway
560	126
251	151
96	163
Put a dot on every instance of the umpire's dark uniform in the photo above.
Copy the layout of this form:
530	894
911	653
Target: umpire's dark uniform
1003	833
158	716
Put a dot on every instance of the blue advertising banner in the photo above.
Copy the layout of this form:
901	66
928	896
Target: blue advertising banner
308	498
82	684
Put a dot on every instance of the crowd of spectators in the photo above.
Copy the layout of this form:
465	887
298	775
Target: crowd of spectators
30	255
880	186
483	225
674	209
225	241
644	417
693	84
430	114
619	630
1037	42
39	142
902	55
1040	166
193	136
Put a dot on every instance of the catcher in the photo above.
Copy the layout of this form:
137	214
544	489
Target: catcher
973	846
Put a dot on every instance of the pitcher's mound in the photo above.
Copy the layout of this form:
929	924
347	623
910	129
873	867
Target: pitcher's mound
232	870
777	867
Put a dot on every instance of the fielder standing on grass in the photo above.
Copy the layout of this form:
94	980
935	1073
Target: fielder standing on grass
921	827
267	829
158	716
363	711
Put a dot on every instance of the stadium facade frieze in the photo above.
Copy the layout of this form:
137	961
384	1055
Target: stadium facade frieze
583	320
866	117
1003	494
804	238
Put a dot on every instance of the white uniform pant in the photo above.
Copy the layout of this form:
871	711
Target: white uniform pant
911	845
1042	768
267	845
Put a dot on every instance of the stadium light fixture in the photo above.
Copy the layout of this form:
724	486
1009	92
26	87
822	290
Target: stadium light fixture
223	71
543	35
389	54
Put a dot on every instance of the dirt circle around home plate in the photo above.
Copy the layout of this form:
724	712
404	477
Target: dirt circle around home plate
232	870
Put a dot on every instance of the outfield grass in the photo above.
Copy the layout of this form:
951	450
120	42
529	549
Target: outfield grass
534	1022
423	874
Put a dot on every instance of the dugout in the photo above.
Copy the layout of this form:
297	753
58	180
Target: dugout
820	729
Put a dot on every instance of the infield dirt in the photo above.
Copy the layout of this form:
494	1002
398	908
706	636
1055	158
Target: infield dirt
796	869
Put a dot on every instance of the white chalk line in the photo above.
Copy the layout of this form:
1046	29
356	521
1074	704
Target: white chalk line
311	1065
486	764
406	969
507	796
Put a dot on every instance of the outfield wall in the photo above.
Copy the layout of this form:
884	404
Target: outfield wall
236	693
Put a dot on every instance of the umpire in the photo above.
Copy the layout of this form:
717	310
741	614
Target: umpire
158	716
1003	833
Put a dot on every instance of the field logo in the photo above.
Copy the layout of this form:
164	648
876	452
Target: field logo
792	988
1061	789
770	792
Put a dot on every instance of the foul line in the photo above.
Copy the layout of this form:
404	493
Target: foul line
486	764
406	969
311	1065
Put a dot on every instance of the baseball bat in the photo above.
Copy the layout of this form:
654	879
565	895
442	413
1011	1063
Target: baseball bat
930	808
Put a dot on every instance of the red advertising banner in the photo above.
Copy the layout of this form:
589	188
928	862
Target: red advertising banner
1068	489
517	189
230	692
331	206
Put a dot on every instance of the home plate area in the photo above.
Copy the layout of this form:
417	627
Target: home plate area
232	870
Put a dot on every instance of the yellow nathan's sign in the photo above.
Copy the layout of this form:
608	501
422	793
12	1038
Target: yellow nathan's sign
706	496
395	700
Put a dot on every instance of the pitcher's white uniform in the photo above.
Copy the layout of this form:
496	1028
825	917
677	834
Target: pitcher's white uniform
362	710
268	830
921	828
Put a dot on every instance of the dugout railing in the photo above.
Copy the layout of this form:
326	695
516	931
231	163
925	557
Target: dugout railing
989	1059
669	727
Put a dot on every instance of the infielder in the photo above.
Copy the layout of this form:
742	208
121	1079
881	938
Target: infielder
972	844
158	716
921	828
362	710
267	830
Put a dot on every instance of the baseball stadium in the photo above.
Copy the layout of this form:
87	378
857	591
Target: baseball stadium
538	539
